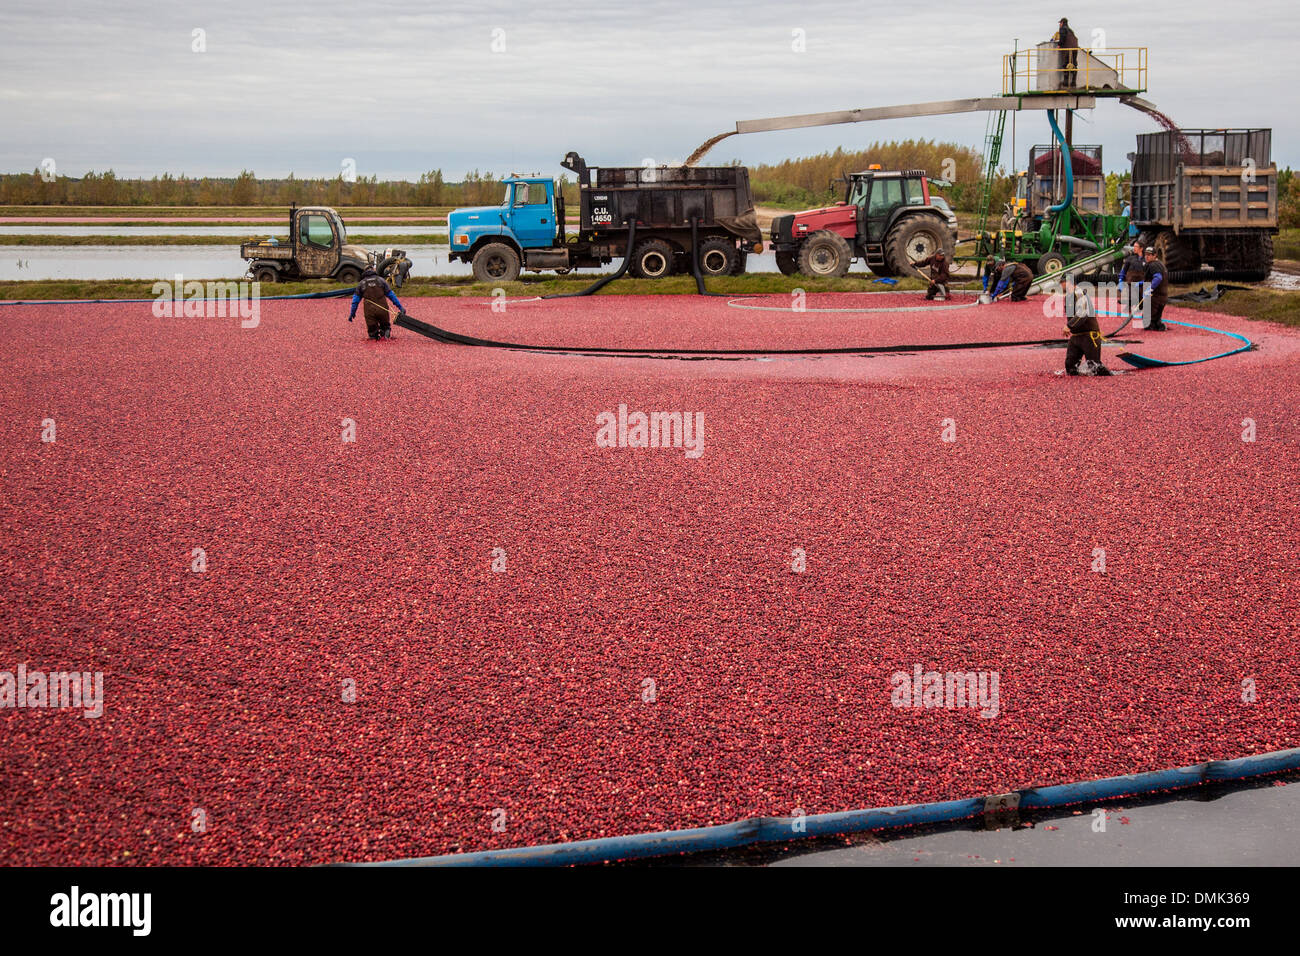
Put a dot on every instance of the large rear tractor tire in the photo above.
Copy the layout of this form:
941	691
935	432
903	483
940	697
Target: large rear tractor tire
653	259
496	262
915	238
825	255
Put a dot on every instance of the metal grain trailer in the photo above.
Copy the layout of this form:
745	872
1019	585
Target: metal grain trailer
1207	196
528	229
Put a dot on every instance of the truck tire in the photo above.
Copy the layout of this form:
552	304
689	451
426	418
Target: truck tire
348	274
717	257
496	262
825	255
1257	255
1053	261
266	275
915	238
1177	255
653	259
788	263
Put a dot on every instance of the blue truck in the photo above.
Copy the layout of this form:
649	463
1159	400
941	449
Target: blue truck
528	230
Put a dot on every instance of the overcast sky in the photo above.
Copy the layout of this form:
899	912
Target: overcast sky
403	88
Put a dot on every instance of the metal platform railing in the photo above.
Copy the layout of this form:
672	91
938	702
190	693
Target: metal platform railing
1044	69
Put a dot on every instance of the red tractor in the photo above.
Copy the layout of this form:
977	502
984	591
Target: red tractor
889	219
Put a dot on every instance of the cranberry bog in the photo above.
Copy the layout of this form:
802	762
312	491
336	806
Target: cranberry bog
358	601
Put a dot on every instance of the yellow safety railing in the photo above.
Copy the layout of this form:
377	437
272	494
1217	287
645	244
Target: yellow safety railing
1048	68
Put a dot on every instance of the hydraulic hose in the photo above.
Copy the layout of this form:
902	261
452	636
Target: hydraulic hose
604	280
1067	157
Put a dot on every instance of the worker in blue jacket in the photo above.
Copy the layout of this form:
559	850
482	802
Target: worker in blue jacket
1017	277
374	290
1156	291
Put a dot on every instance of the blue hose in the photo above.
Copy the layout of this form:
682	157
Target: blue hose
1143	361
782	829
1067	156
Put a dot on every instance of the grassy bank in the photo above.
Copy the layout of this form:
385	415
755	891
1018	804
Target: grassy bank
466	286
234	212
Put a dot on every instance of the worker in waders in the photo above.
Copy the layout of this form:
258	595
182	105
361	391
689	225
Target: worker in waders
1131	273
1084	342
939	277
374	291
1068	44
1155	293
1017	277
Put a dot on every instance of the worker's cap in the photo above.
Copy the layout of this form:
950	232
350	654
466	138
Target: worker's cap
1150	250
1063	20
939	254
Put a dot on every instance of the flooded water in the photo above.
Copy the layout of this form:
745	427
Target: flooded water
244	232
216	262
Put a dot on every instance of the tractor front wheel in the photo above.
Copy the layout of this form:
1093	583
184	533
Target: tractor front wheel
788	263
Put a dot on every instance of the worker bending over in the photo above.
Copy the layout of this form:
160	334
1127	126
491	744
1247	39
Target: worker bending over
1015	276
374	290
1156	292
939	277
1084	342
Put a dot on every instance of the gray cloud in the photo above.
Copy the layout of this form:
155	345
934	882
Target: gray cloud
100	85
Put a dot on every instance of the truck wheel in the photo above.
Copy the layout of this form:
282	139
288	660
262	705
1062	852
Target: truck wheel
916	238
349	274
653	259
266	275
787	263
1257	255
1050	262
1177	255
825	255
496	262
717	257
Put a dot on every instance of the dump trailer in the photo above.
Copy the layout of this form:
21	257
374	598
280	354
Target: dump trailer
1207	196
529	229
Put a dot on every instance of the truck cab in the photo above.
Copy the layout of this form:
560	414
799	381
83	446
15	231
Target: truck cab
528	217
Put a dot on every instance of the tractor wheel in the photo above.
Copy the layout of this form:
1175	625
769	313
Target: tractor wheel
788	263
496	262
825	255
266	275
717	257
1053	261
914	239
1177	255
350	275
653	259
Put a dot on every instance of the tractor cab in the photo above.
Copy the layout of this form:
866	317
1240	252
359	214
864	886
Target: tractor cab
878	194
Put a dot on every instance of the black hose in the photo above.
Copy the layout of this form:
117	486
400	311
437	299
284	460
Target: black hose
603	280
695	266
455	338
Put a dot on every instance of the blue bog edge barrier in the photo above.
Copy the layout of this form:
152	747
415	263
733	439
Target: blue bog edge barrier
782	829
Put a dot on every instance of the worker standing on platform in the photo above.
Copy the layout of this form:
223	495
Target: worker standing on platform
939	277
374	290
1068	44
1131	273
1156	290
1017	277
1084	342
